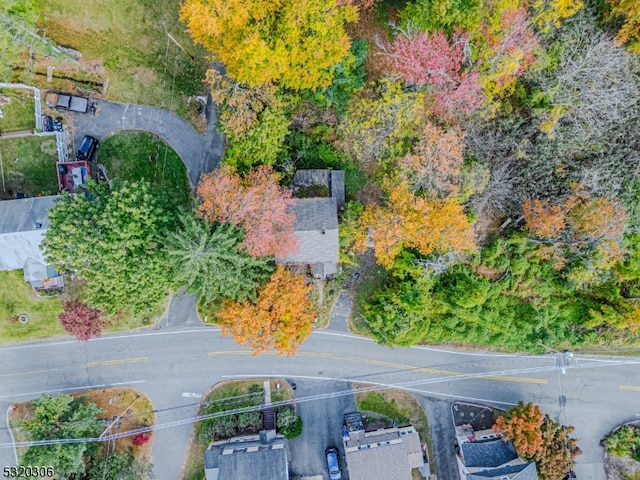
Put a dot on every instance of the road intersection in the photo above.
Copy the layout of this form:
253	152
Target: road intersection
173	365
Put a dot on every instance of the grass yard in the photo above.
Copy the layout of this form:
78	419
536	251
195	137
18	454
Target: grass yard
127	43
19	114
135	155
388	405
16	298
29	166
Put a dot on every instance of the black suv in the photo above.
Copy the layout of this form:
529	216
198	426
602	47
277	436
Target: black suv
87	147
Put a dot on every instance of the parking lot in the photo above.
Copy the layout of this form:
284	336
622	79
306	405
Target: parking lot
322	427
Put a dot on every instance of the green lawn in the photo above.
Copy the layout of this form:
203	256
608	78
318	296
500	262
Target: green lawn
127	43
29	166
19	113
136	155
16	298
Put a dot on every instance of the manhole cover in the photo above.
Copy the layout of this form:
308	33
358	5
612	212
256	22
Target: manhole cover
23	318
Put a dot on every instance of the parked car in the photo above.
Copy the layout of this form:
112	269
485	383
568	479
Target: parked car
66	101
332	463
47	123
88	146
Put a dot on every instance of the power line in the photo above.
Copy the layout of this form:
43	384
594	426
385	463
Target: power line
322	396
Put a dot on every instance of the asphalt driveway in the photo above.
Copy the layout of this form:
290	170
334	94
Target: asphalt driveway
321	428
200	153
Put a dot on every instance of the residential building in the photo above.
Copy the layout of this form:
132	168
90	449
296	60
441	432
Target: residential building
23	224
316	234
331	180
381	454
262	456
484	455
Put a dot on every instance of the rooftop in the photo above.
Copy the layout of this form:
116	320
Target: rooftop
490	454
524	471
24	214
315	214
251	459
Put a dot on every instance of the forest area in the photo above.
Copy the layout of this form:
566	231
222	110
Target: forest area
490	149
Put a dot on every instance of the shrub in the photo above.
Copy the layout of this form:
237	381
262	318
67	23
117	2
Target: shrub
293	430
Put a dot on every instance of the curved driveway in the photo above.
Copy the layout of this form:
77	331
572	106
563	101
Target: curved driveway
173	366
200	153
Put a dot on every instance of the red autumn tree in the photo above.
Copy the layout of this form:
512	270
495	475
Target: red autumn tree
431	59
141	438
522	425
280	318
256	203
81	321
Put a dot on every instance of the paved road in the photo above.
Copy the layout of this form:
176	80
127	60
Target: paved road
200	153
600	393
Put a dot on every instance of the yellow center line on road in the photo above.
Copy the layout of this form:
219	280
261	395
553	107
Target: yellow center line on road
28	372
117	362
629	387
398	366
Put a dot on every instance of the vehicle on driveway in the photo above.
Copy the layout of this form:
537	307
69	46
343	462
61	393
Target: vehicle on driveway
332	463
87	148
65	101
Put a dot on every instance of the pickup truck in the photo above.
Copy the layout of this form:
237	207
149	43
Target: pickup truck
65	101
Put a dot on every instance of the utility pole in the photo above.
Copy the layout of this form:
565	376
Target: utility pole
181	47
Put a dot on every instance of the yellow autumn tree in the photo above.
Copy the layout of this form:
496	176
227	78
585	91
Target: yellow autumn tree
280	318
294	43
413	221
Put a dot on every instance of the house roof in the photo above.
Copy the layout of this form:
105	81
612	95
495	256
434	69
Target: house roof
316	234
332	179
488	454
23	214
524	471
381	463
20	236
251	460
315	214
389	453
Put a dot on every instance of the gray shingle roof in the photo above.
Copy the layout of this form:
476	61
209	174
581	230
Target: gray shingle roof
316	232
264	464
382	463
488	454
524	471
21	215
315	214
250	460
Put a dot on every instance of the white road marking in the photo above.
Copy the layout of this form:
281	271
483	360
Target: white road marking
191	395
87	387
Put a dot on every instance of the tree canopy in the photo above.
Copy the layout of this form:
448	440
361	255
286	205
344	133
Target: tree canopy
287	42
256	203
61	417
207	260
114	240
280	318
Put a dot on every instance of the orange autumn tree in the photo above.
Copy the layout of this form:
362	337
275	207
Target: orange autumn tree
522	424
412	221
254	202
280	318
582	226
